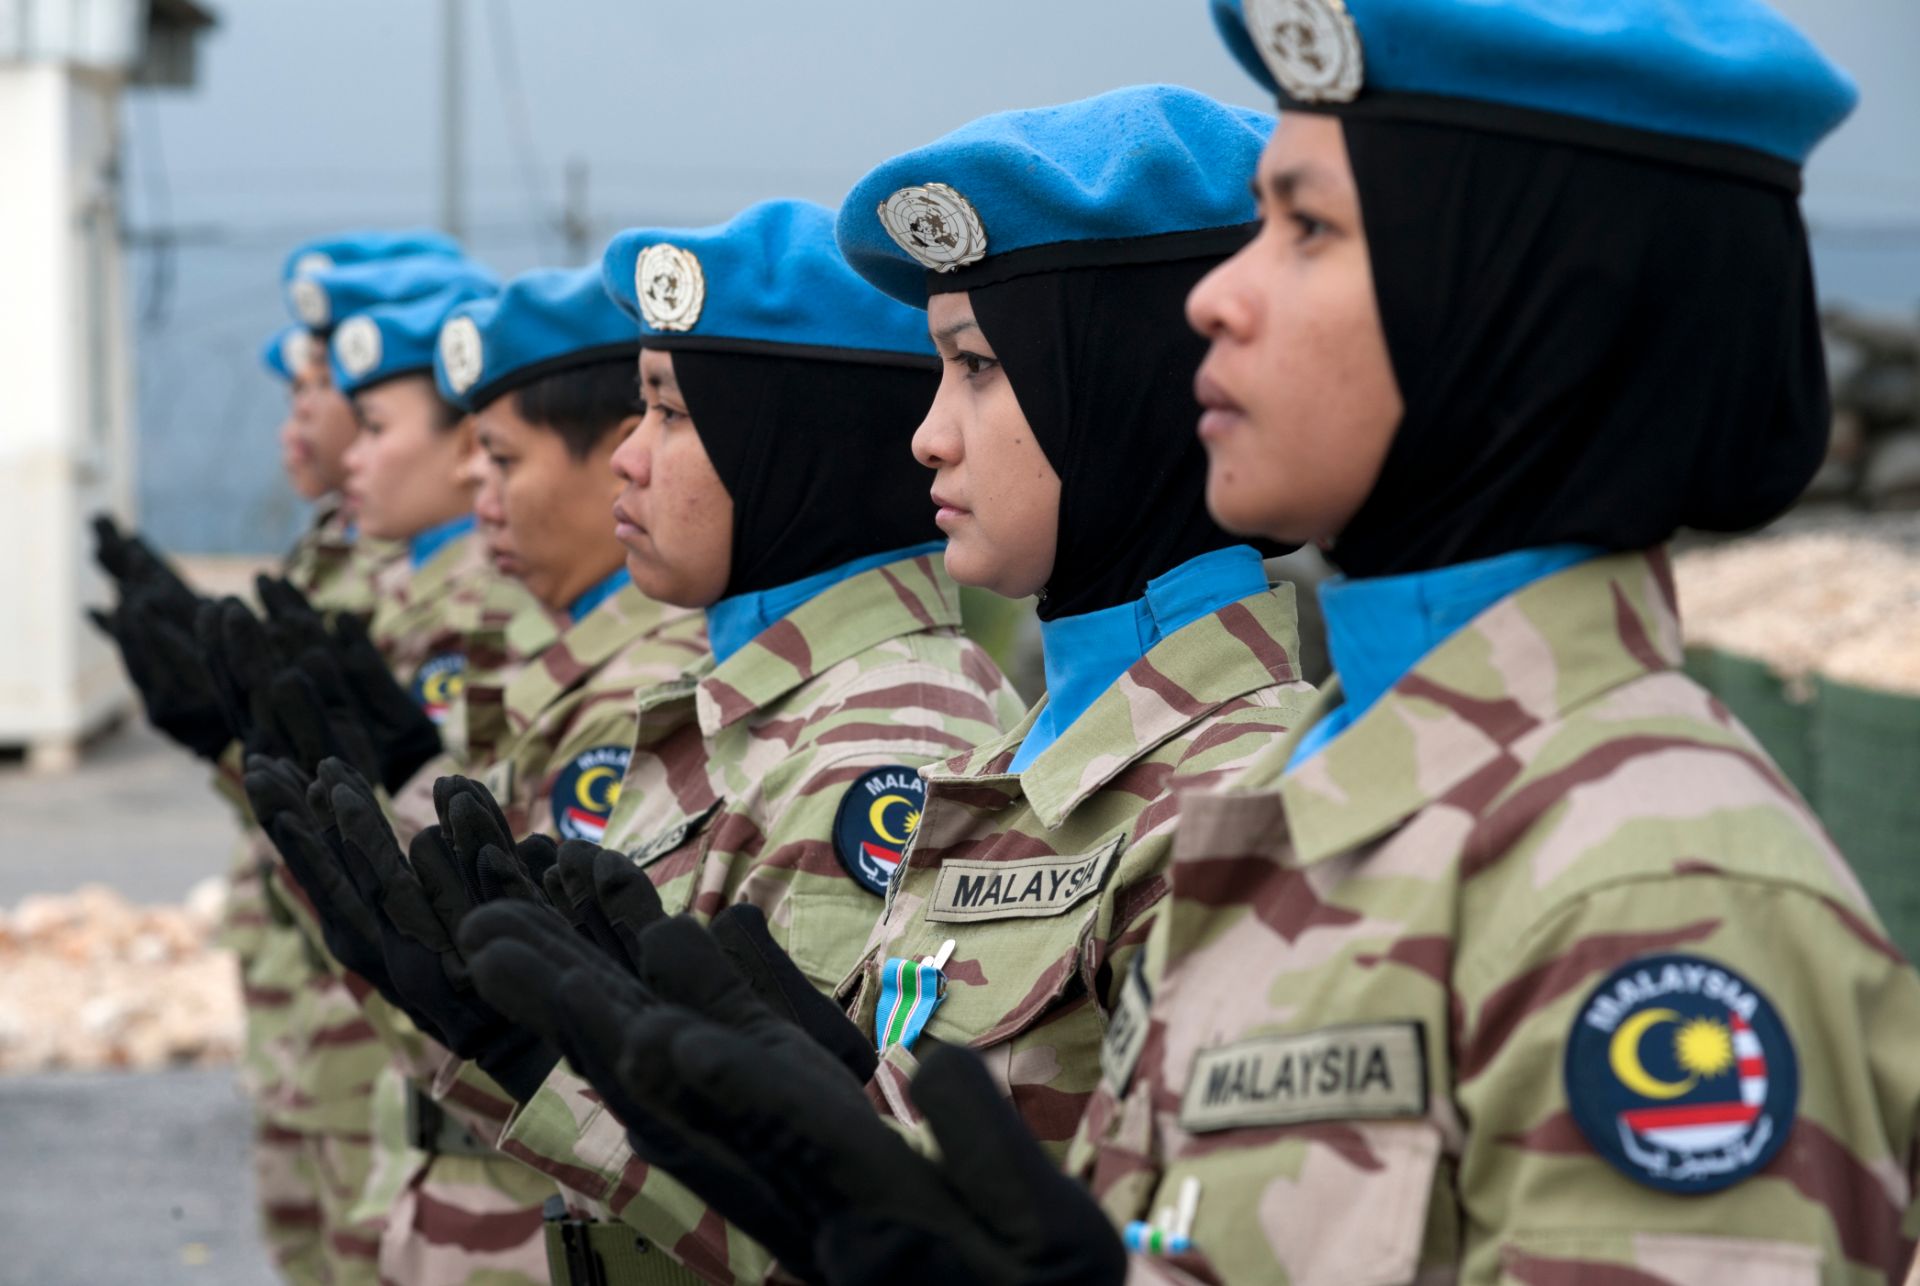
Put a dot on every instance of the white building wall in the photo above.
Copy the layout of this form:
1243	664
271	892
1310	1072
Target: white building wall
64	433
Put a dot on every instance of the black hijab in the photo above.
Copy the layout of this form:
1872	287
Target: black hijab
1591	347
1102	361
815	455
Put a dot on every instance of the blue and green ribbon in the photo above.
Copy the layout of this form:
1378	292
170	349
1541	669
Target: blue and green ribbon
910	990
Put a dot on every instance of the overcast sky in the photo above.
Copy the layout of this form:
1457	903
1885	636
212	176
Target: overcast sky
306	109
309	117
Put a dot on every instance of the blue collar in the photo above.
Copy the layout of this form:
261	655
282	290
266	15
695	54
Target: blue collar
599	594
426	544
732	623
1380	628
1084	654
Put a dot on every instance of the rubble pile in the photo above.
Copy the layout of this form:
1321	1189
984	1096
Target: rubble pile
1840	604
88	980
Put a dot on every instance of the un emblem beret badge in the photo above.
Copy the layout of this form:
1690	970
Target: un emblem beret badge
461	353
311	262
357	345
936	226
1311	47
310	301
296	350
671	287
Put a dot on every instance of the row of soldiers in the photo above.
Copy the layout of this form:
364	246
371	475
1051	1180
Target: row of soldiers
647	878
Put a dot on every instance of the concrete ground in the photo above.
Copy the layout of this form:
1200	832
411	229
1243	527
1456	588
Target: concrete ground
122	1177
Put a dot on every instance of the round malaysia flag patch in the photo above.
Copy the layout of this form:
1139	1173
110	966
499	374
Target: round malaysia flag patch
1681	1074
437	685
877	816
586	790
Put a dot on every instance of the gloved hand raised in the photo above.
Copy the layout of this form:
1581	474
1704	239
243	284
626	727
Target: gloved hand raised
301	825
490	863
532	966
287	709
135	568
420	901
357	684
402	733
993	1209
168	672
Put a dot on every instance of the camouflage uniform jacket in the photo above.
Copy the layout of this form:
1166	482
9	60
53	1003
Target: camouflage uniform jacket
1401	994
335	570
422	616
732	795
503	630
571	714
333	566
1046	881
332	1053
574	711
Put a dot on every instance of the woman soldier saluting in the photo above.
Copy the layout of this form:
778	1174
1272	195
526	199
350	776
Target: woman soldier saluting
1521	962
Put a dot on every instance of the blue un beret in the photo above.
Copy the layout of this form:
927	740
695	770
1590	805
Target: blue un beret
1663	77
286	351
322	299
1137	175
769	281
389	340
365	246
545	321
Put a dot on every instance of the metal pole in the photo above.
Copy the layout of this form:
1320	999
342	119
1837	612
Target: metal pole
452	130
574	221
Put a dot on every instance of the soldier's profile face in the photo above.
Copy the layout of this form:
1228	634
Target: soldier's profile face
323	422
1298	397
542	510
673	514
404	471
995	494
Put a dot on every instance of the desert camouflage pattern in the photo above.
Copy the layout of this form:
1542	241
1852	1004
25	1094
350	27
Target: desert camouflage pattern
580	696
425	611
323	1055
1544	799
298	1179
731	796
1058	872
333	565
503	630
478	1218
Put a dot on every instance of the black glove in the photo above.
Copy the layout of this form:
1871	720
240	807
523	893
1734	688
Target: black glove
284	708
742	935
402	733
609	901
168	672
535	968
292	622
136	569
491	864
310	845
421	900
993	1209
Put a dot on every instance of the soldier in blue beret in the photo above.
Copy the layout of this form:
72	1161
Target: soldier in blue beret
403	471
365	245
1587	988
769	483
1061	464
1519	962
